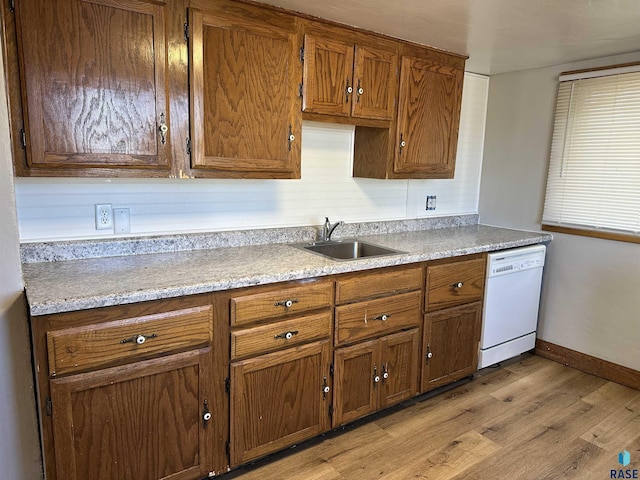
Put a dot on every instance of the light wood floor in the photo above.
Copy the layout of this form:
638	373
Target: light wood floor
530	419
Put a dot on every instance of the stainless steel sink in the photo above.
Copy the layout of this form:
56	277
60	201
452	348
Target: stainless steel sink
347	249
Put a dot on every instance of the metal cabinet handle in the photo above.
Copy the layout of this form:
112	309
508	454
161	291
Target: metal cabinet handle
286	303
287	335
376	377
291	137
383	318
359	91
402	144
325	389
457	284
428	355
138	339
206	414
163	129
347	91
385	373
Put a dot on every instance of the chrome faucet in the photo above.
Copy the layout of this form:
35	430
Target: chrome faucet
328	229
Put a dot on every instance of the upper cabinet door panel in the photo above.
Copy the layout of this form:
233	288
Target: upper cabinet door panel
374	79
94	84
245	110
328	86
428	116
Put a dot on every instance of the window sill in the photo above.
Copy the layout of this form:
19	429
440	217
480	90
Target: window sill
619	237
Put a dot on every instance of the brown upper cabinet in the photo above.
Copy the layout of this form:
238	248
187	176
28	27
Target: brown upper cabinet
92	82
244	103
92	74
428	115
344	79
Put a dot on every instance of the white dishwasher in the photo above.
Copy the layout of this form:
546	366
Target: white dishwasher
512	296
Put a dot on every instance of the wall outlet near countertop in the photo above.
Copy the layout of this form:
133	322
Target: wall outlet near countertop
104	216
431	202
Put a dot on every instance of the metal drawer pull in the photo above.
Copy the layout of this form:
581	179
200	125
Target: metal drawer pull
138	339
383	318
287	335
457	285
285	303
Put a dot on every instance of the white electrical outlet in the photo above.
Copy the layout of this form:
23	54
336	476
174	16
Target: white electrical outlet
122	220
431	202
104	216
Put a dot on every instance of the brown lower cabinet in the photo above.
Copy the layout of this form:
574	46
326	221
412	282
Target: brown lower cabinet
374	374
279	399
145	420
450	345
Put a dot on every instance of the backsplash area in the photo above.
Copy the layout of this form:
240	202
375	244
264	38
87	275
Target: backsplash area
63	208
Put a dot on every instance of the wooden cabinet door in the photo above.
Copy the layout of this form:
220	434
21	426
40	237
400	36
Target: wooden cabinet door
244	77
428	118
277	400
94	85
356	391
399	367
144	420
328	70
450	345
374	83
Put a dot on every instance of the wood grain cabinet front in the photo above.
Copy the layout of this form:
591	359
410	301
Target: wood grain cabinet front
245	112
375	374
279	399
453	322
87	108
428	115
280	380
149	420
133	391
345	79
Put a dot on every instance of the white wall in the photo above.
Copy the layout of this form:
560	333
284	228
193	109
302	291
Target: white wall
19	450
56	209
589	300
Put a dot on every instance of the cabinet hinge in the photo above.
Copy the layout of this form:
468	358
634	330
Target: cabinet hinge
12	6
302	54
331	369
48	407
331	411
186	32
188	146
300	90
23	139
227	447
227	385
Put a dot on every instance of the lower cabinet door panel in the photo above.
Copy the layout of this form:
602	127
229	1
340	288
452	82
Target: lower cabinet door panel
278	400
450	345
143	421
399	360
356	393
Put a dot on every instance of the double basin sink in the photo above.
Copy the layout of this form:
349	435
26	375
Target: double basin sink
342	250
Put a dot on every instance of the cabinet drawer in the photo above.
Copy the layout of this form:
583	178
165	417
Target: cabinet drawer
368	285
82	348
280	302
370	319
456	283
272	337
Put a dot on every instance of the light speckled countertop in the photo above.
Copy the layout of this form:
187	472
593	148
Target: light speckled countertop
55	287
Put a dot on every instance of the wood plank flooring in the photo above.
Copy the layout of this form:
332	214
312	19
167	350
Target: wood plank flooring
532	419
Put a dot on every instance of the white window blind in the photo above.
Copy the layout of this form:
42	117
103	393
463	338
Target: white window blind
594	169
